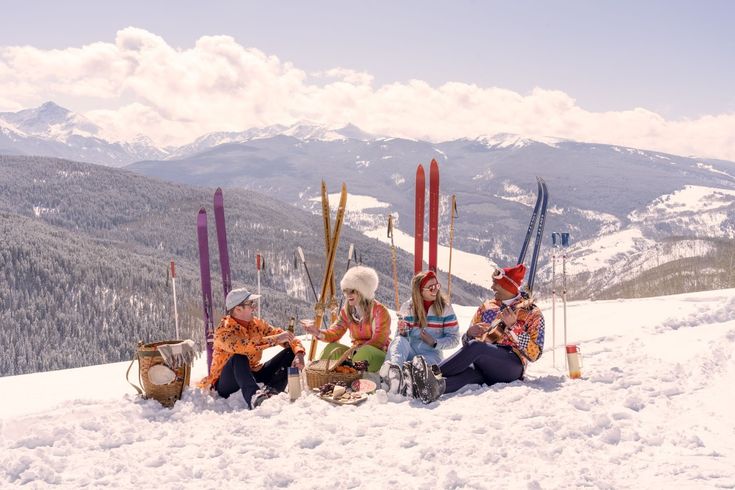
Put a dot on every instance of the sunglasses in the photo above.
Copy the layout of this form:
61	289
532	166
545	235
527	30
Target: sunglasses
349	291
248	304
433	287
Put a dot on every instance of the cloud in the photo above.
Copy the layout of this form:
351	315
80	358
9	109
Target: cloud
141	84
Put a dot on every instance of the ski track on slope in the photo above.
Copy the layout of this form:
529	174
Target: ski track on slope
653	408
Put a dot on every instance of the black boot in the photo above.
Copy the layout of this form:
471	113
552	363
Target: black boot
428	382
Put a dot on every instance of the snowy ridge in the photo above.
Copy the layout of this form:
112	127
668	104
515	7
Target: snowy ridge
693	210
507	140
655	399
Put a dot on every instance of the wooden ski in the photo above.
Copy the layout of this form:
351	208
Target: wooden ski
329	269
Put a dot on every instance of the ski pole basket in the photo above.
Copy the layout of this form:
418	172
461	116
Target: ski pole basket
323	371
159	381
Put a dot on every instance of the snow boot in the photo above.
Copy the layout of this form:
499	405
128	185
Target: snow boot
429	384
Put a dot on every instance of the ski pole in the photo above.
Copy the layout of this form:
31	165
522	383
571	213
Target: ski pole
554	245
259	263
350	253
306	268
173	287
564	245
393	260
451	244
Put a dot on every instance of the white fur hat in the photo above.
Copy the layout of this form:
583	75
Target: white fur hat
363	279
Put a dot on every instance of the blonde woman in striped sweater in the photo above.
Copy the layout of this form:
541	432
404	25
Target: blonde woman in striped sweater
426	326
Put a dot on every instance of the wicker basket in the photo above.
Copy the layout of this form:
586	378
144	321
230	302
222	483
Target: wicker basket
166	394
321	372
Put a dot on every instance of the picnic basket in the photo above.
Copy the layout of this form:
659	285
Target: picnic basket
322	371
148	357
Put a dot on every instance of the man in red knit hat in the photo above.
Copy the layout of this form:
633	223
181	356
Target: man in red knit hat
505	334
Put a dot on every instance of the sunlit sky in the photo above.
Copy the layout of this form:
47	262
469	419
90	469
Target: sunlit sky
654	74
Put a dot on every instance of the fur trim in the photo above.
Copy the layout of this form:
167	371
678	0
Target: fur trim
363	279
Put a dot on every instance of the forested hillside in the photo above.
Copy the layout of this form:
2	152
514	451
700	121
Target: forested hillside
85	251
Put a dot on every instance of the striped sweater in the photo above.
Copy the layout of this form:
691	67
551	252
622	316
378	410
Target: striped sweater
444	328
376	333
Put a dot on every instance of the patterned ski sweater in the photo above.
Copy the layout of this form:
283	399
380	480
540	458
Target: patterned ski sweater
377	333
526	338
233	337
444	328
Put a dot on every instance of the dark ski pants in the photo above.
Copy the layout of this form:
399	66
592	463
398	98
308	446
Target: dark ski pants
478	363
236	375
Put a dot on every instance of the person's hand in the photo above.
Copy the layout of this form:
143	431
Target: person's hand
427	338
402	327
477	330
298	361
308	326
284	337
509	317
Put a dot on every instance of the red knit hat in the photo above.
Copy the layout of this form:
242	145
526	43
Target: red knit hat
510	278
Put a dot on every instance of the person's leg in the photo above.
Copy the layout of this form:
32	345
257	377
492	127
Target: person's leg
467	377
399	351
464	357
372	355
499	365
333	351
236	375
274	372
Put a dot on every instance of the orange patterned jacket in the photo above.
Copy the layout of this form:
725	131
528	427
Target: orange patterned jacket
376	333
234	337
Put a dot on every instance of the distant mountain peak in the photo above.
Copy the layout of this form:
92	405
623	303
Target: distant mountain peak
510	140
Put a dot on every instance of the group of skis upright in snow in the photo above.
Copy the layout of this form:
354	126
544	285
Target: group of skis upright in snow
325	301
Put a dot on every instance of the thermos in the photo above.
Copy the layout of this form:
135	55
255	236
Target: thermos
574	361
294	383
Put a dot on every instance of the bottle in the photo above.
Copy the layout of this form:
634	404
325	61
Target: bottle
291	325
574	361
294	383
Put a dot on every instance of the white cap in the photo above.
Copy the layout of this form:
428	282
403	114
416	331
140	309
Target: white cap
237	296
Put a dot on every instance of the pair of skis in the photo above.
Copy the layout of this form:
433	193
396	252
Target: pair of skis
538	215
433	216
326	298
224	261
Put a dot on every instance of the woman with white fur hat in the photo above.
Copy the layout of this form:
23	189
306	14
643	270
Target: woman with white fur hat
366	319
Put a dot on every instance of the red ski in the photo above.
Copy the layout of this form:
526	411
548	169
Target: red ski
433	212
418	233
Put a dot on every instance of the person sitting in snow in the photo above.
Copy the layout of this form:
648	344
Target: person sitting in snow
426	325
367	320
239	342
505	334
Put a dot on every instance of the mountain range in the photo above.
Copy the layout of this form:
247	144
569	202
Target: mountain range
625	208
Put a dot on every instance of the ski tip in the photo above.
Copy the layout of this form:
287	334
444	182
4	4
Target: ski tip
218	191
202	210
434	162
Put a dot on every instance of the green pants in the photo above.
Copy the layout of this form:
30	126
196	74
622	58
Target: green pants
374	356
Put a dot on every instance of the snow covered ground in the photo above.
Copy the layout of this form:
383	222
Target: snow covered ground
654	408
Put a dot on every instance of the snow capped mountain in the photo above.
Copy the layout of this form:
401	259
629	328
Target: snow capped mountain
507	140
51	130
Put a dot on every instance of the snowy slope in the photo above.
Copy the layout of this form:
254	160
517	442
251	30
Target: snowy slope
653	409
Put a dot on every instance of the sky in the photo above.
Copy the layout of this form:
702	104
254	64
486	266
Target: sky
653	409
656	75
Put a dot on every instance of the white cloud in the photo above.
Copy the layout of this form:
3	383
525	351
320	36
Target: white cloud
175	95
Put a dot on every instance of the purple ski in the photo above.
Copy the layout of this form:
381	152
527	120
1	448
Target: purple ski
206	283
224	257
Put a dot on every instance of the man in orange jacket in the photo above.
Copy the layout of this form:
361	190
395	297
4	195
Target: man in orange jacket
239	342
